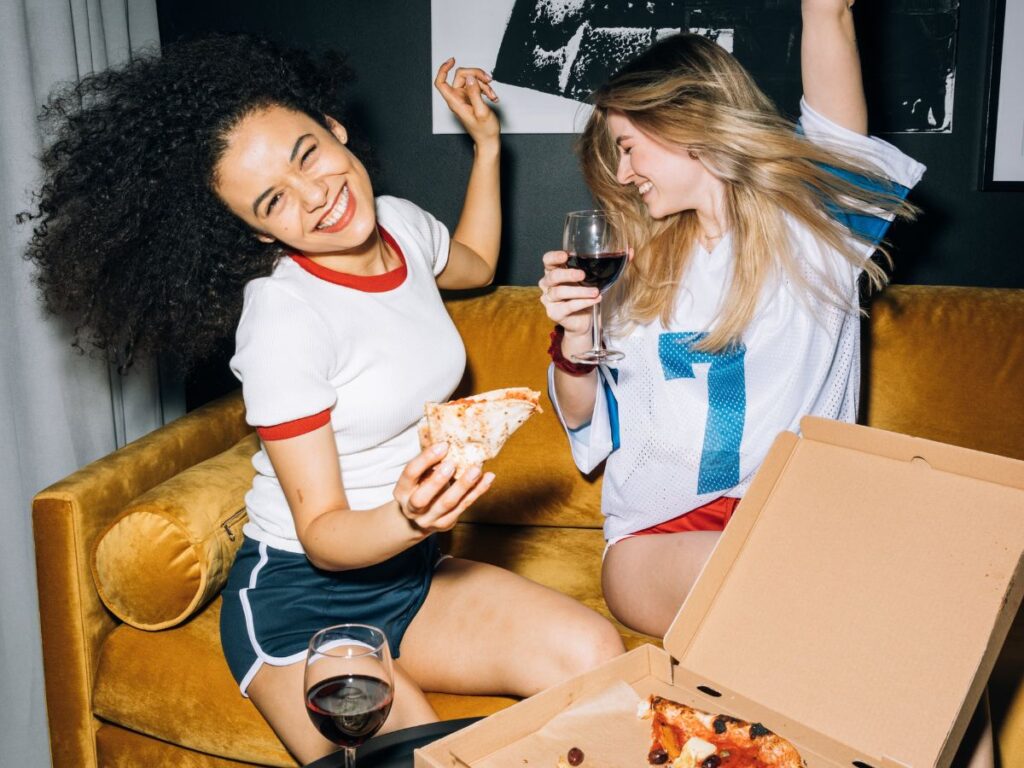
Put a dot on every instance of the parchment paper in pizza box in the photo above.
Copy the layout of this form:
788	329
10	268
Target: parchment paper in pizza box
645	670
604	726
861	591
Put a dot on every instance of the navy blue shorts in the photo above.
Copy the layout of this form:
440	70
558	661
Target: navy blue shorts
275	600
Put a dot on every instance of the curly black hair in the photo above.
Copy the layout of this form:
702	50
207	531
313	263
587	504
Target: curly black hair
130	239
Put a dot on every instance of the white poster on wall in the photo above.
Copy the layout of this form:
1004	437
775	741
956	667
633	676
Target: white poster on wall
1008	162
472	32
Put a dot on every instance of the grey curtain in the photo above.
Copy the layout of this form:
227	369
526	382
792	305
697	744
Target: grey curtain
59	409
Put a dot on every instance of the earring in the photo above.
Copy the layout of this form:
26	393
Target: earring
692	154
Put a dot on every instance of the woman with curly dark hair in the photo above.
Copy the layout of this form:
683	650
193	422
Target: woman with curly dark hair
210	188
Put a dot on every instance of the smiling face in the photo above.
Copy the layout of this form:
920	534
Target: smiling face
294	181
667	178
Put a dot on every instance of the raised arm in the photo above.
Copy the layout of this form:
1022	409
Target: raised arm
830	64
477	237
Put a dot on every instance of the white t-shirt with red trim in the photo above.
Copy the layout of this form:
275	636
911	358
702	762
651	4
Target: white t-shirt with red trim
364	353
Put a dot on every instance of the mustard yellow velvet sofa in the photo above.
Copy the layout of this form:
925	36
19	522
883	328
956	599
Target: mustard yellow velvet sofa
942	363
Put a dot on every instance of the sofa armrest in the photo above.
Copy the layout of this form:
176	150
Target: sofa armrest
67	519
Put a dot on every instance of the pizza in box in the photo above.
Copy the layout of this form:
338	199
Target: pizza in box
684	737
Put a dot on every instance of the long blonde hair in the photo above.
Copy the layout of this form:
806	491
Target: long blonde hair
688	93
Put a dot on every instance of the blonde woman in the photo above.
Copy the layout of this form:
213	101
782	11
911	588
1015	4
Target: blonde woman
739	312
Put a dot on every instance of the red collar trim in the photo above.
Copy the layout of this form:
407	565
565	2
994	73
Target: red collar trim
368	283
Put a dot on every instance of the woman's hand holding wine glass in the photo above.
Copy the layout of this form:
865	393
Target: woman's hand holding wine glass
592	260
564	296
349	684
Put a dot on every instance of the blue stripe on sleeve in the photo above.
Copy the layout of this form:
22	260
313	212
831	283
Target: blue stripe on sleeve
613	408
864	225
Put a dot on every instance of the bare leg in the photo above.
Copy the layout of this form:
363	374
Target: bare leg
485	630
634	577
481	630
278	695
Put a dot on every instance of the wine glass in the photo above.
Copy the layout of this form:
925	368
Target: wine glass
349	684
595	244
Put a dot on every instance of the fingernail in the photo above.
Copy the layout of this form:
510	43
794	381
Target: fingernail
472	474
488	478
439	448
470	80
447	468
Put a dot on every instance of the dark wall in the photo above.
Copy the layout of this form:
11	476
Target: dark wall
964	237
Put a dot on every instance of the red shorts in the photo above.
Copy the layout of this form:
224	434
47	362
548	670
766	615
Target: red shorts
713	516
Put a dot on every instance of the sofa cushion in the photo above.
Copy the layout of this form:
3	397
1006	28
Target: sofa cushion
536	481
565	559
947	364
120	748
176	685
170	550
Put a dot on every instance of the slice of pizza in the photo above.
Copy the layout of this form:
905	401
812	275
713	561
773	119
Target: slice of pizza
684	737
476	427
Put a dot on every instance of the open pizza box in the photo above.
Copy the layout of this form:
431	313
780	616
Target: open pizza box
855	605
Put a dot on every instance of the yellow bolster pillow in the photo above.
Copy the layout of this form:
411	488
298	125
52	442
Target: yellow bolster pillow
170	550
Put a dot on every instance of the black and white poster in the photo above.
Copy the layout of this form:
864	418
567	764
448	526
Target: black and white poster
547	55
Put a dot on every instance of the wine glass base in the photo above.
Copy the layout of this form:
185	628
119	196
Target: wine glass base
597	356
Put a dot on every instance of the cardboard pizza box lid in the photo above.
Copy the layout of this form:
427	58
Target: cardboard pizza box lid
862	591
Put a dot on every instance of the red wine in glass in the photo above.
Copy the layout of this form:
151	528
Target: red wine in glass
594	243
601	270
349	709
348	684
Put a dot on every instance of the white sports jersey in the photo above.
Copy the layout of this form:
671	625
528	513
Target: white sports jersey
680	428
364	353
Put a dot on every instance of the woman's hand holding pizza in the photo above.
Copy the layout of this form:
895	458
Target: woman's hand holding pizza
428	497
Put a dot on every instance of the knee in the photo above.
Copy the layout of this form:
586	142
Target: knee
589	645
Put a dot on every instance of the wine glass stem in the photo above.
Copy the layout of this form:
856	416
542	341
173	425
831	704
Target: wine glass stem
350	757
597	327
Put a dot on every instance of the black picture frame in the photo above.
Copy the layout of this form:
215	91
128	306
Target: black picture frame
997	34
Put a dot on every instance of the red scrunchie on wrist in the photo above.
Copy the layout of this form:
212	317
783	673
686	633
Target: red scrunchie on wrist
561	363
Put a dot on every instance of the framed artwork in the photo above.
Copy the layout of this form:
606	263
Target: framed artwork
547	55
1003	160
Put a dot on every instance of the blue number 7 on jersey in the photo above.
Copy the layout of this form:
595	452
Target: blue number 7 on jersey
727	404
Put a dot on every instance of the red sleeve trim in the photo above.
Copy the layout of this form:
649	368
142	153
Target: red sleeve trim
295	428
